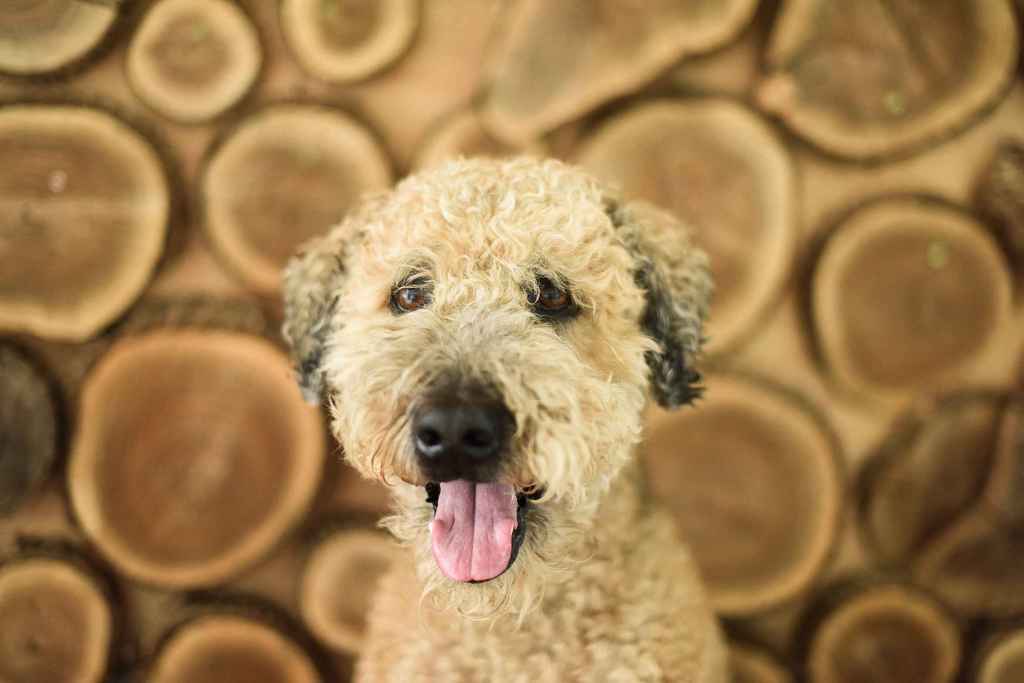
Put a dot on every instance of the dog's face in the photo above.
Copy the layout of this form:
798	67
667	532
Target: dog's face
486	335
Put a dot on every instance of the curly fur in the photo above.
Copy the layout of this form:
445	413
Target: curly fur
600	571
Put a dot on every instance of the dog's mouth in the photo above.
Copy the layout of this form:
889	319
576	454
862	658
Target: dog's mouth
478	527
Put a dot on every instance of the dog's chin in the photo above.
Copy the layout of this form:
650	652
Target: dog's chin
478	528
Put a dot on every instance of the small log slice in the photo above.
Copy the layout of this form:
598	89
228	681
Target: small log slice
559	60
720	168
286	174
28	429
1001	658
348	40
195	454
339	583
908	293
84	207
945	444
191	60
55	623
224	647
754	665
884	633
462	135
975	564
867	80
753	479
45	36
1000	198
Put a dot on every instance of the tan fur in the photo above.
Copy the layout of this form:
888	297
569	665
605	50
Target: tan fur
601	589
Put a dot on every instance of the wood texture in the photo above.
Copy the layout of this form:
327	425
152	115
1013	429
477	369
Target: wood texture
40	37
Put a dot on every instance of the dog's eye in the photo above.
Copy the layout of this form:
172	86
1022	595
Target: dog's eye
551	301
411	297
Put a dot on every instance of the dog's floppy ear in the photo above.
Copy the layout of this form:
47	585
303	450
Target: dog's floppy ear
675	277
313	280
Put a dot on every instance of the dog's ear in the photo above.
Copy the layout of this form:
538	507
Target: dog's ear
675	277
313	280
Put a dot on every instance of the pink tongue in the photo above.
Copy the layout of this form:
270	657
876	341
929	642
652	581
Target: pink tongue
472	529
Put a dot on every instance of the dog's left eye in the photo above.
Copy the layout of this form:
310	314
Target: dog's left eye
551	301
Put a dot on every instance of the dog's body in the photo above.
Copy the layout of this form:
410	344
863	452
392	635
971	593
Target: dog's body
486	336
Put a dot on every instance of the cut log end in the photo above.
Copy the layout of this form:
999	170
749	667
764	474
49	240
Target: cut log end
191	60
40	37
875	80
55	624
753	665
339	584
28	429
738	197
886	632
80	188
907	294
285	175
754	483
219	648
348	40
176	473
1000	198
463	135
557	61
1001	659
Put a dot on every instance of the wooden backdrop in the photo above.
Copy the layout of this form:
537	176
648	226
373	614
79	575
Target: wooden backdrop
852	484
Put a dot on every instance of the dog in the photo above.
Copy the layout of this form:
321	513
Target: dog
486	336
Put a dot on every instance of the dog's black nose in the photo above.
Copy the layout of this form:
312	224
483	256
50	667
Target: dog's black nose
457	437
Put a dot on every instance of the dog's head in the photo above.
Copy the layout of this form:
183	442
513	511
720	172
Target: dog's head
486	335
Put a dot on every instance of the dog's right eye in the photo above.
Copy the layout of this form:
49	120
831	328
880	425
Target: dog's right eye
410	297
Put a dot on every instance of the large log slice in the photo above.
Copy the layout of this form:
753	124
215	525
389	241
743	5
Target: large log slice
720	168
348	40
46	36
753	478
339	583
84	208
909	293
874	78
284	175
882	632
56	625
218	648
463	135
194	456
28	429
559	60
190	60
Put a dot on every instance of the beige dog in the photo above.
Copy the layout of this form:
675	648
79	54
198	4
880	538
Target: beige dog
486	336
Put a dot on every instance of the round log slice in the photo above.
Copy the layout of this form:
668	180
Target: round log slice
285	175
221	648
907	294
945	445
195	454
55	624
43	36
754	482
1000	197
84	206
339	583
753	665
559	60
721	169
886	633
463	135
28	429
348	40
865	80
1001	660
191	60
